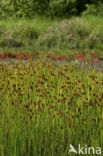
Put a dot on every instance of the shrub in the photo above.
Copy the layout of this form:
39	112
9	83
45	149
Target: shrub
94	9
30	8
62	8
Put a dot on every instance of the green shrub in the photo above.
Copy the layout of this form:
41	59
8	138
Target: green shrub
52	8
94	9
23	8
62	8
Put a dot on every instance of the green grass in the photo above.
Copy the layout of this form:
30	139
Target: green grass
44	108
22	31
95	20
80	35
39	23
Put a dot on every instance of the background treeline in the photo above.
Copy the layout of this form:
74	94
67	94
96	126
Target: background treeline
52	8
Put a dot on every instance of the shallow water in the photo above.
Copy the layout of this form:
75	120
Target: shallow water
97	65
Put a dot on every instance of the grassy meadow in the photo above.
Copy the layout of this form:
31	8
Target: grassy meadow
82	34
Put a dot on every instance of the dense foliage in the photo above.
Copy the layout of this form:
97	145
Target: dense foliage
30	8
